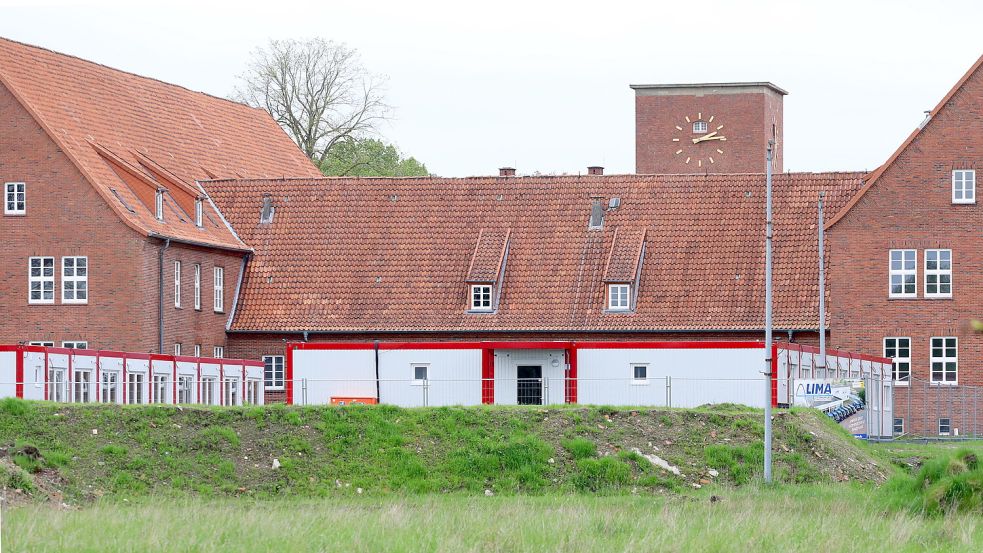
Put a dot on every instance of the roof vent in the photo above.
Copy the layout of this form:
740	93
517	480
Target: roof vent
595	170
596	214
266	216
928	117
506	171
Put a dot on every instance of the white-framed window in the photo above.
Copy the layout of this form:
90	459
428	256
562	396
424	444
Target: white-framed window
218	352
945	360
177	349
898	426
903	271
41	280
185	389
41	343
198	286
481	297
75	279
159	389
619	297
219	289
77	344
230	391
159	205
964	186
898	349
177	284
15	198
420	373
699	127
109	387
82	386
135	385
938	273
273	371
945	426
208	390
197	350
252	392
198	212
57	385
639	373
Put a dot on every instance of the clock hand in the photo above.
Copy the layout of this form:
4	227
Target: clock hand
704	137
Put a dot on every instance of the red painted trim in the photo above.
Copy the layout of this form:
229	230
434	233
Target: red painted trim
835	353
488	376
774	375
571	391
524	345
289	384
98	383
124	384
670	345
19	372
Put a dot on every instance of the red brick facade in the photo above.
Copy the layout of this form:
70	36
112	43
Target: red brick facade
66	216
908	204
747	115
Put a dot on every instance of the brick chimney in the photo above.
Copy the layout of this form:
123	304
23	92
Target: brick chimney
506	171
595	170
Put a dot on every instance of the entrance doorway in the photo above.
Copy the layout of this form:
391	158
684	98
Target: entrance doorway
530	384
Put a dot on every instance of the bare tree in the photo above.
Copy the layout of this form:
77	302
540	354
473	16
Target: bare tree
317	90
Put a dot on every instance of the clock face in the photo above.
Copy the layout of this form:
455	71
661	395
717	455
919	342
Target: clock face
699	140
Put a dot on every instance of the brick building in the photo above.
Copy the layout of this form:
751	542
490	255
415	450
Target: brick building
594	257
102	212
907	250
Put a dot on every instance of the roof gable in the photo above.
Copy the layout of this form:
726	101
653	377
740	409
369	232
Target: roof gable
871	179
148	125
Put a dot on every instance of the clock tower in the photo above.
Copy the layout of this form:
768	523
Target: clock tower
707	128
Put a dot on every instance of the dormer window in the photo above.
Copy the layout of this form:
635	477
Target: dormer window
699	127
481	297
619	297
964	186
159	205
198	214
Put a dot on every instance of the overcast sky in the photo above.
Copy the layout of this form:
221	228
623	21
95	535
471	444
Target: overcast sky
543	86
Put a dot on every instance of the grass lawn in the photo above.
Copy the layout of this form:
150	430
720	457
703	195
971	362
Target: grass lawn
790	518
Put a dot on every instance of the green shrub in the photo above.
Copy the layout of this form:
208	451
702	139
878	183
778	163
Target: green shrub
739	462
14	406
20	480
216	438
114	450
27	463
597	474
946	484
580	448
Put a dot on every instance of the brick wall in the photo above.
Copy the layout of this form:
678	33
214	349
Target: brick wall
910	207
747	120
65	216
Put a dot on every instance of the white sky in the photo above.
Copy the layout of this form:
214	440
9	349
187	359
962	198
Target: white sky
544	85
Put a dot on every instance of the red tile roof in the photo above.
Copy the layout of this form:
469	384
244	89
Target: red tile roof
172	135
352	255
627	245
489	254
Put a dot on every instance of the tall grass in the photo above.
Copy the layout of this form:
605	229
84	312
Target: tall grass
790	519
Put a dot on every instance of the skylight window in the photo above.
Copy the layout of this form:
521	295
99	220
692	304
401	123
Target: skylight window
159	205
198	212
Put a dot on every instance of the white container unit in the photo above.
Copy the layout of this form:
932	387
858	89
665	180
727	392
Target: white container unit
89	376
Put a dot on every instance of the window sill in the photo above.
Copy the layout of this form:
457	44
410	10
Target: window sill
481	311
14	214
418	383
901	383
963	202
936	297
274	388
619	311
41	302
943	384
912	297
640	382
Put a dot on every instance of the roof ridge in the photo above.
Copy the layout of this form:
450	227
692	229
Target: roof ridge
125	72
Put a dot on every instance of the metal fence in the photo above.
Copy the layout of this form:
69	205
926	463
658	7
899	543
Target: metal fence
937	410
653	392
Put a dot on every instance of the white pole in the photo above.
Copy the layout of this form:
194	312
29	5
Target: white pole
768	338
821	364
